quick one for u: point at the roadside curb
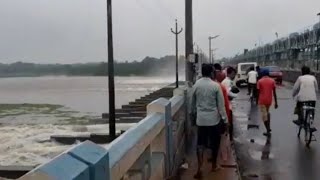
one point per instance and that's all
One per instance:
(236, 160)
(238, 112)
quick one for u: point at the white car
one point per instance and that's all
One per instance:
(242, 72)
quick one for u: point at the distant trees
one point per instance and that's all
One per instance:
(148, 66)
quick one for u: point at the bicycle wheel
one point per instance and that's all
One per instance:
(299, 132)
(308, 137)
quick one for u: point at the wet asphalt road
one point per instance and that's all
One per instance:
(283, 156)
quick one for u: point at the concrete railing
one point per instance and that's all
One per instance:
(152, 149)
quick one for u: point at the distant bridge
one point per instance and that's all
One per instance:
(289, 52)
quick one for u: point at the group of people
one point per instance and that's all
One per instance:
(212, 111)
(304, 92)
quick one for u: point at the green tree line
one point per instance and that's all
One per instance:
(148, 66)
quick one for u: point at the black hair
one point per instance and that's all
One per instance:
(251, 68)
(230, 70)
(217, 67)
(207, 70)
(305, 70)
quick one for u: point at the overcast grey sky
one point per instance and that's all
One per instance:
(68, 31)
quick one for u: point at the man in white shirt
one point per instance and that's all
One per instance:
(305, 91)
(252, 81)
(229, 83)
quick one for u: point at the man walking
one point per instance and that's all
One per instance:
(208, 104)
(266, 87)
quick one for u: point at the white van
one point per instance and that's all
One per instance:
(242, 73)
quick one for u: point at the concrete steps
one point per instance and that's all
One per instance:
(14, 172)
(101, 138)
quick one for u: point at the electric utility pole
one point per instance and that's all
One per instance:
(177, 49)
(189, 39)
(112, 118)
(318, 46)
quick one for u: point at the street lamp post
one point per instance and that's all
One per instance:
(212, 53)
(210, 38)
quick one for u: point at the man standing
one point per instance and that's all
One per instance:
(208, 103)
(229, 85)
(266, 87)
(219, 75)
(228, 82)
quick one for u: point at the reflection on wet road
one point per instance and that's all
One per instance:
(283, 156)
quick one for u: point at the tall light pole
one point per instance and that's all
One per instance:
(112, 117)
(210, 38)
(212, 53)
(176, 33)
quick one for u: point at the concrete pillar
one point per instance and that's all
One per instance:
(163, 105)
(141, 170)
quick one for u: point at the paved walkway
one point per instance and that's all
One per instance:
(229, 171)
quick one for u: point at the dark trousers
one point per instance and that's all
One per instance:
(211, 135)
(252, 87)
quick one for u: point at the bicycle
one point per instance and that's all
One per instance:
(308, 112)
(253, 95)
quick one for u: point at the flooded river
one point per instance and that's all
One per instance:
(32, 109)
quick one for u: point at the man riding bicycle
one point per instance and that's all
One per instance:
(252, 82)
(305, 91)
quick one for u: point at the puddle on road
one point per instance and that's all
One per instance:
(243, 127)
(265, 154)
(253, 126)
(242, 119)
(240, 115)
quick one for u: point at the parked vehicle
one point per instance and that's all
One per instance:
(275, 73)
(242, 73)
